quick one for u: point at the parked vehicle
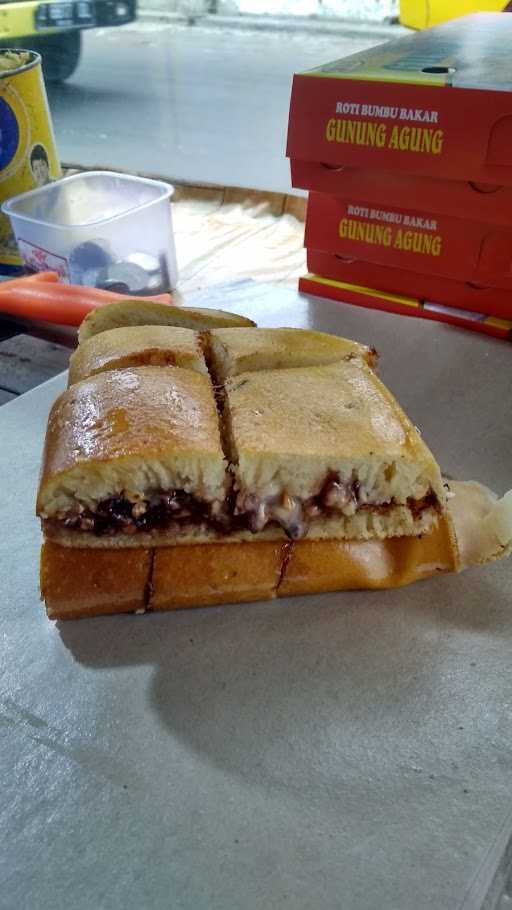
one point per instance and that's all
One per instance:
(54, 28)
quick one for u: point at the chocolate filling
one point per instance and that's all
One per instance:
(176, 509)
(158, 513)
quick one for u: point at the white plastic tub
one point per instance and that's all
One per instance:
(96, 227)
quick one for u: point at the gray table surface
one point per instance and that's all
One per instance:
(348, 750)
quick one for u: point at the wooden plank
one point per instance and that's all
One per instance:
(6, 396)
(26, 362)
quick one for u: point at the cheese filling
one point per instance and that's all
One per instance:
(335, 499)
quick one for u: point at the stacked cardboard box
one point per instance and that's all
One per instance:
(406, 150)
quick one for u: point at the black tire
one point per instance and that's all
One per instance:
(60, 53)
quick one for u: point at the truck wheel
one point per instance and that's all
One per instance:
(60, 53)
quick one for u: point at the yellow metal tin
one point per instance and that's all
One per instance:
(28, 155)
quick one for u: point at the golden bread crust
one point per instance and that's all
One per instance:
(76, 583)
(129, 419)
(291, 427)
(135, 346)
(318, 566)
(327, 411)
(224, 573)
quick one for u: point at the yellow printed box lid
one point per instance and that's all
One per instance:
(471, 52)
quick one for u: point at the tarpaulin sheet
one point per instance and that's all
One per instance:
(226, 234)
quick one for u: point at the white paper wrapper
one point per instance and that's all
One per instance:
(482, 523)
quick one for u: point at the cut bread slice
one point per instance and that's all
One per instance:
(328, 451)
(135, 346)
(234, 351)
(131, 451)
(147, 312)
(78, 583)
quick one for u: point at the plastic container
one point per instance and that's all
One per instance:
(100, 229)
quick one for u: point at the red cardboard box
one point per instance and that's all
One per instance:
(437, 104)
(406, 306)
(430, 288)
(410, 239)
(459, 198)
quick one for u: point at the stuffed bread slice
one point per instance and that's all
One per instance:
(134, 458)
(133, 455)
(328, 452)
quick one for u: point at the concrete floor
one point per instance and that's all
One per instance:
(188, 103)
